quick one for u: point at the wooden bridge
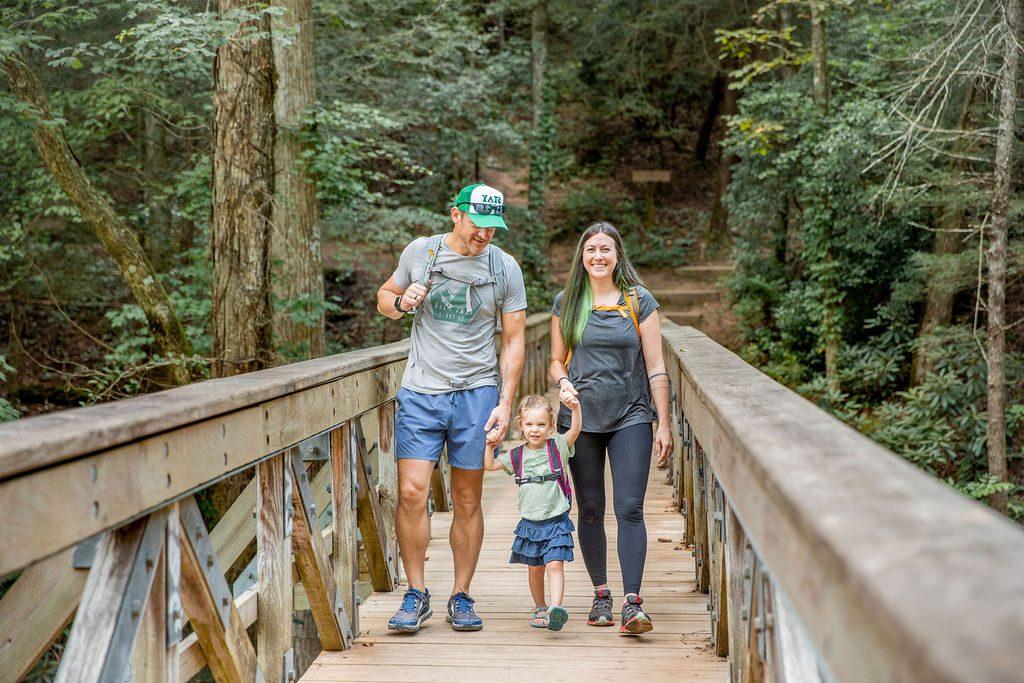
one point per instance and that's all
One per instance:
(817, 554)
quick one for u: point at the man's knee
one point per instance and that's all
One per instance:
(466, 501)
(467, 487)
(412, 494)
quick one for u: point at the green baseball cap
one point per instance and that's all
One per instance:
(484, 205)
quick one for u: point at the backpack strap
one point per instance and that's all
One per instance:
(496, 264)
(633, 304)
(516, 456)
(433, 247)
(555, 463)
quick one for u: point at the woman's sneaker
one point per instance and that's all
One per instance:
(634, 620)
(461, 614)
(414, 611)
(601, 612)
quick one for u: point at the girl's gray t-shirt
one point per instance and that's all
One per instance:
(608, 369)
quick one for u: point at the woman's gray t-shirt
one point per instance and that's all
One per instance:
(608, 369)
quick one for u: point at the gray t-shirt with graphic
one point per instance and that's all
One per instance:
(608, 369)
(453, 336)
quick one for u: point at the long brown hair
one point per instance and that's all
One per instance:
(577, 299)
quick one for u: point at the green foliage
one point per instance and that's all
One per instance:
(7, 411)
(830, 247)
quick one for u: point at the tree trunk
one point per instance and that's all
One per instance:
(718, 226)
(939, 296)
(996, 432)
(535, 252)
(295, 256)
(819, 55)
(830, 316)
(243, 177)
(718, 93)
(117, 238)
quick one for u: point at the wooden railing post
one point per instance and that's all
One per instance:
(346, 559)
(273, 561)
(700, 518)
(686, 476)
(387, 479)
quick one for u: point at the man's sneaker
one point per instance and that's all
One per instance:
(601, 612)
(414, 611)
(634, 620)
(461, 614)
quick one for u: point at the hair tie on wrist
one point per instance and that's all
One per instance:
(558, 382)
(657, 374)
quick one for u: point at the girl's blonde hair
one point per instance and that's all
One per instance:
(532, 402)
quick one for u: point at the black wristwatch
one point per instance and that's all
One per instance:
(398, 304)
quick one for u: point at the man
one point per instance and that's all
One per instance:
(462, 290)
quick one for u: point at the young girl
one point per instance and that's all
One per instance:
(543, 539)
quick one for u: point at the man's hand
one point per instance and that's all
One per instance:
(414, 296)
(493, 437)
(498, 421)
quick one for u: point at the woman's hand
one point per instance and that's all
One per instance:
(567, 393)
(663, 442)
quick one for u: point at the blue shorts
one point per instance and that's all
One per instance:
(424, 423)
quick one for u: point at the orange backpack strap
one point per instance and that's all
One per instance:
(633, 304)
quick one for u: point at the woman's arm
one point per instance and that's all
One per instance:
(650, 339)
(558, 372)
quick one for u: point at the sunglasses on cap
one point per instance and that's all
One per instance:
(496, 209)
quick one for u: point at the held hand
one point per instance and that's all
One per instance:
(414, 296)
(663, 443)
(498, 421)
(493, 437)
(567, 394)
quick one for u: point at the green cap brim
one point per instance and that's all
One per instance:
(487, 220)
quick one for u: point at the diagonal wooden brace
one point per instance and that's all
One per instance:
(115, 595)
(311, 561)
(383, 571)
(207, 599)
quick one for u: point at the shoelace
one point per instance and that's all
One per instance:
(463, 603)
(603, 602)
(410, 602)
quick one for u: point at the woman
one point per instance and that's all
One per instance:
(609, 323)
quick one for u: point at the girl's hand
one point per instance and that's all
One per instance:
(663, 442)
(567, 393)
(494, 437)
(571, 402)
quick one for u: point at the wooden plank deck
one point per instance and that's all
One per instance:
(508, 649)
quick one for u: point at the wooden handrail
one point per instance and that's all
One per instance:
(818, 535)
(124, 474)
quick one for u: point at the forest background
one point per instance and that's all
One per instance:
(196, 189)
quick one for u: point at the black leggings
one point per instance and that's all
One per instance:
(630, 452)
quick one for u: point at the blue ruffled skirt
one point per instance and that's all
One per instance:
(538, 543)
